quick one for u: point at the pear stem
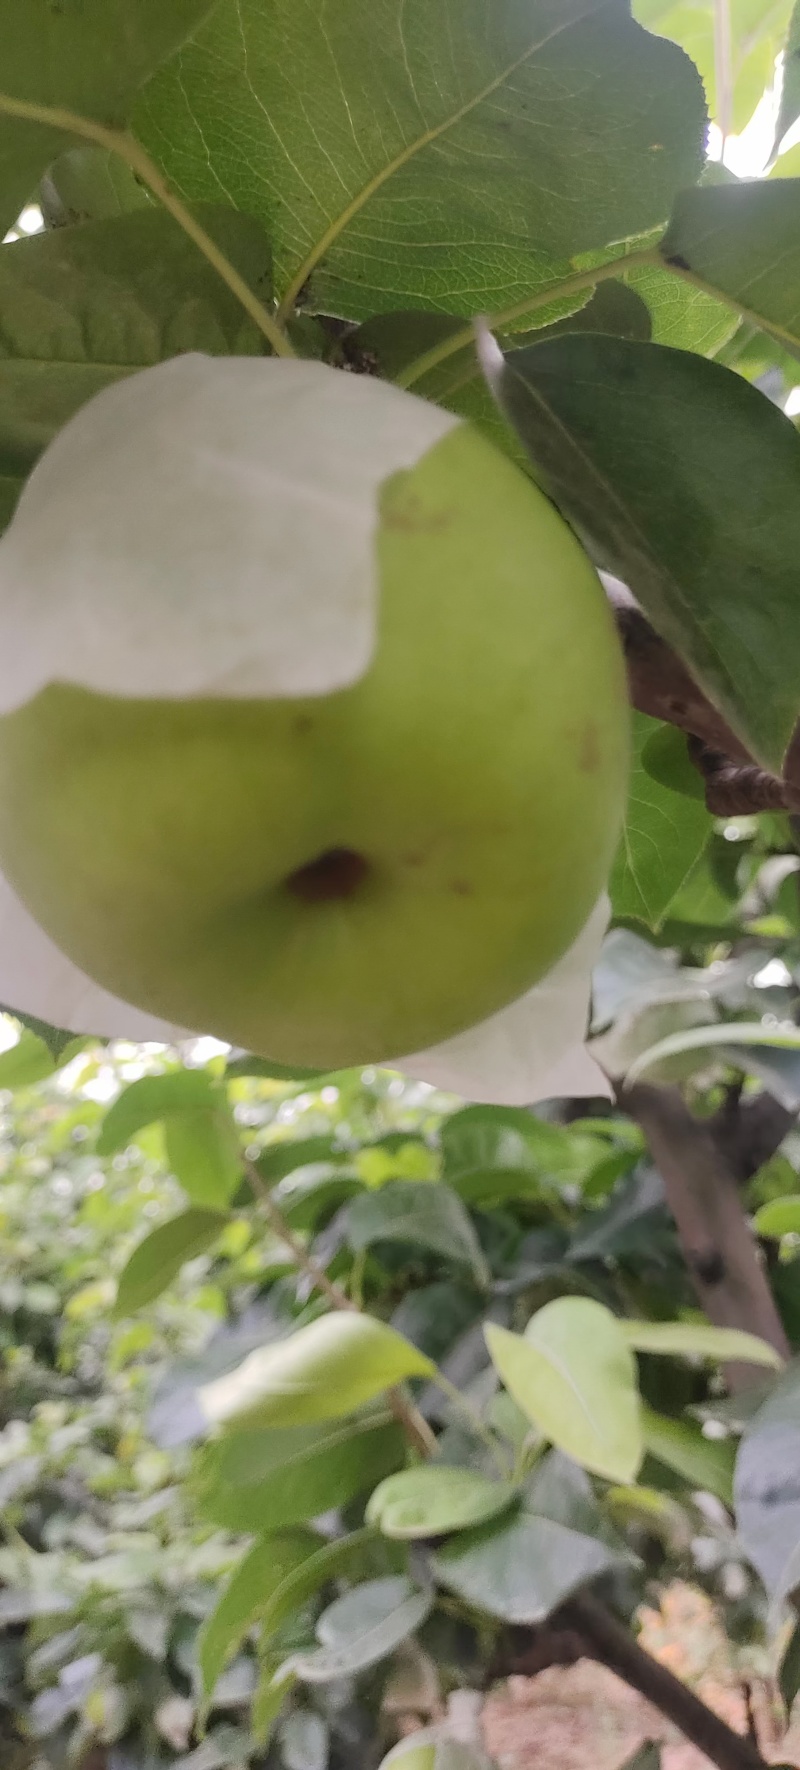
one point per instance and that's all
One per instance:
(416, 1429)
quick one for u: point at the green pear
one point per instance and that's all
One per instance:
(345, 877)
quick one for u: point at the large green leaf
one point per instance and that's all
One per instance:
(743, 240)
(363, 1627)
(82, 306)
(663, 834)
(574, 1376)
(26, 1063)
(156, 1261)
(421, 1213)
(246, 1596)
(267, 1479)
(685, 481)
(90, 58)
(521, 1567)
(321, 1372)
(413, 154)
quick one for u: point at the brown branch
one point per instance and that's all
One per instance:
(660, 684)
(611, 1644)
(416, 1429)
(717, 1242)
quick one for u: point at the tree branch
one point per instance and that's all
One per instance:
(716, 1239)
(660, 684)
(611, 1644)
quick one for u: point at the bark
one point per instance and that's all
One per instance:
(703, 1195)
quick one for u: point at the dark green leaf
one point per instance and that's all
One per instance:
(422, 1213)
(685, 482)
(254, 1481)
(246, 1596)
(663, 835)
(91, 59)
(155, 1262)
(362, 1628)
(521, 1567)
(394, 159)
(83, 306)
(648, 1757)
(744, 241)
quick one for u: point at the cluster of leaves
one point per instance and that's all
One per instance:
(182, 1405)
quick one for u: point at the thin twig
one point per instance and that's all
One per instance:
(417, 1430)
(127, 148)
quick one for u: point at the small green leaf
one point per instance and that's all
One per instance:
(362, 1628)
(155, 1262)
(343, 1555)
(202, 1149)
(663, 834)
(323, 1371)
(698, 1339)
(255, 1481)
(89, 184)
(573, 1375)
(434, 1500)
(25, 1063)
(781, 1216)
(665, 757)
(421, 1213)
(150, 1100)
(274, 1686)
(706, 1463)
(246, 1596)
(91, 59)
(684, 481)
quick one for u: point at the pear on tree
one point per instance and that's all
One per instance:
(313, 733)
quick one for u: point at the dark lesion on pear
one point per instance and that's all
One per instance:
(331, 877)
